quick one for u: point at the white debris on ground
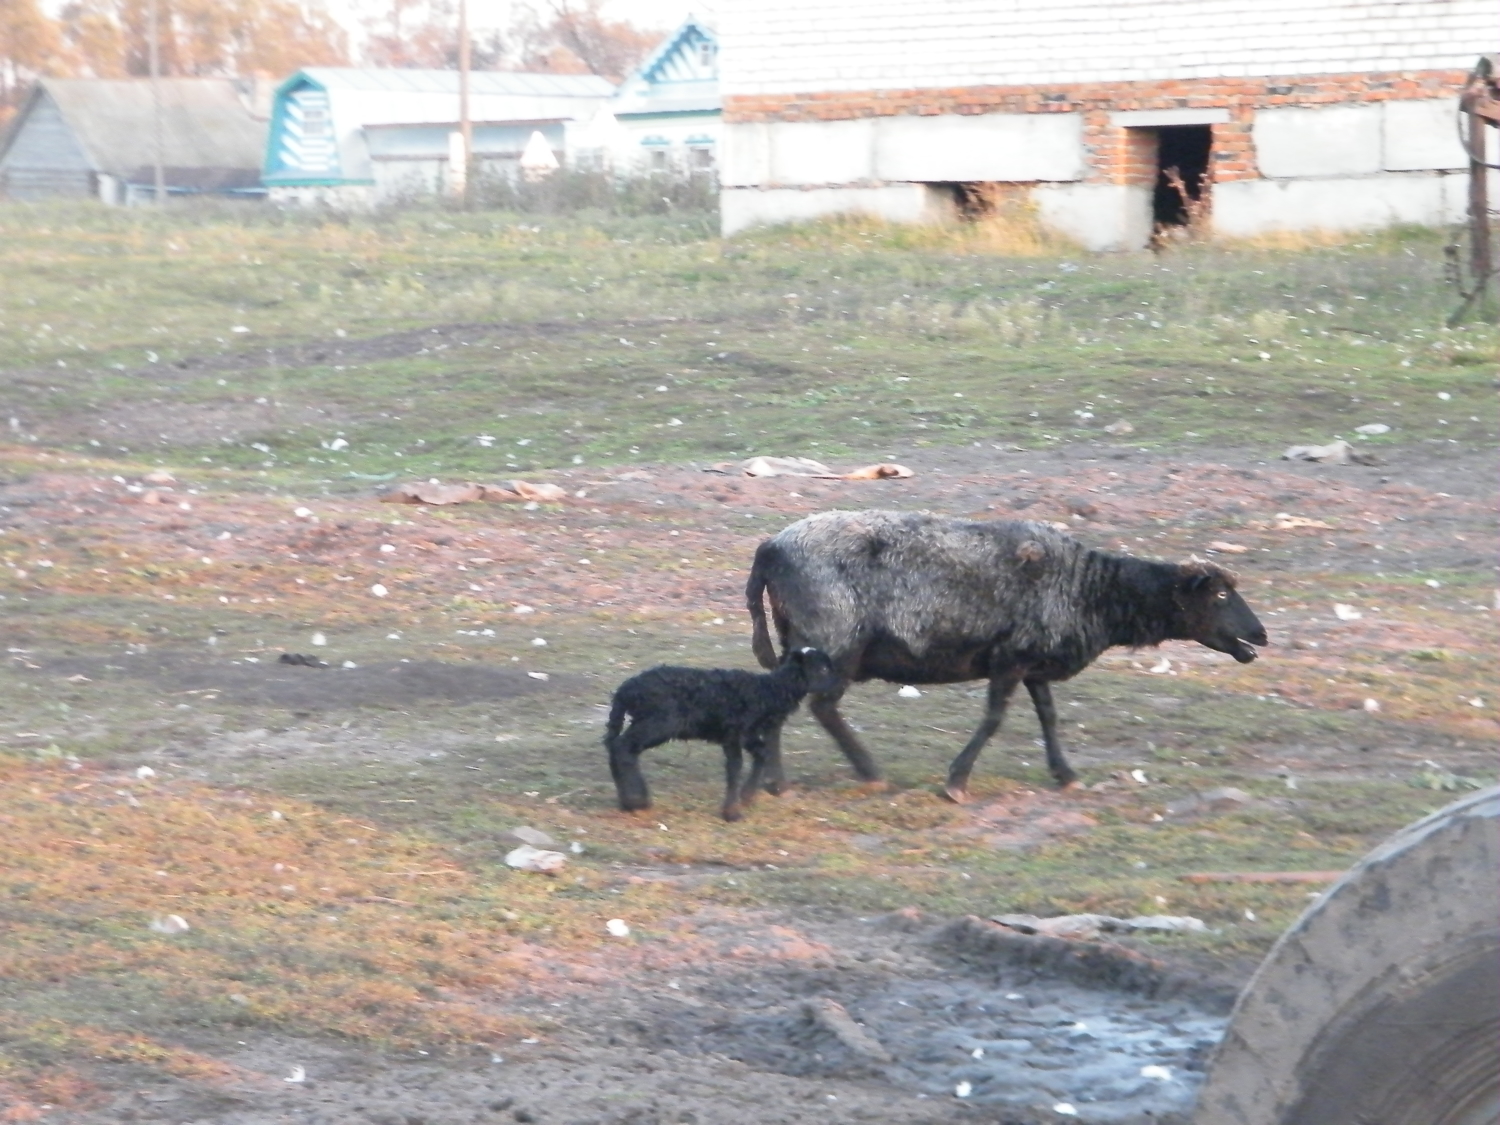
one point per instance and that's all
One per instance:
(1338, 452)
(527, 858)
(1086, 926)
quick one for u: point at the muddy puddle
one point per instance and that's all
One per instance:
(897, 1018)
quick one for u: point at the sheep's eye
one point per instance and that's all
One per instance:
(1223, 594)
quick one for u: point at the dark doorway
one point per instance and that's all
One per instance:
(1183, 153)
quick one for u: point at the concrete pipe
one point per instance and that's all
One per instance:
(1381, 1004)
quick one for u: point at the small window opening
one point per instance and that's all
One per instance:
(1181, 194)
(973, 201)
(659, 160)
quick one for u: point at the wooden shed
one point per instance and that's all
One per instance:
(88, 137)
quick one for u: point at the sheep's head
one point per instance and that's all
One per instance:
(1213, 612)
(818, 669)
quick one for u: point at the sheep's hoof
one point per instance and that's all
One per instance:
(1071, 784)
(775, 788)
(634, 806)
(958, 794)
(732, 812)
(875, 785)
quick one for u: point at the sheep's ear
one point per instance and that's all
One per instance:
(1198, 575)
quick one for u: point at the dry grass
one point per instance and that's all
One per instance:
(300, 920)
(1009, 228)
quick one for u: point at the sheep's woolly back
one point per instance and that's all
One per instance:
(931, 581)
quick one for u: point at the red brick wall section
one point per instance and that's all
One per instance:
(1117, 155)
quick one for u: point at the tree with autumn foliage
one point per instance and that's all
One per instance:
(566, 37)
(199, 38)
(31, 43)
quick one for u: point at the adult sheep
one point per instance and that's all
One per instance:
(915, 598)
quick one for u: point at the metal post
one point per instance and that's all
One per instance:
(1480, 257)
(465, 124)
(154, 51)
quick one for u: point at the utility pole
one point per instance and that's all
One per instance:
(154, 51)
(465, 122)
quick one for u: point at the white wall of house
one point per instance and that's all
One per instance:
(809, 94)
(642, 144)
(992, 146)
(788, 46)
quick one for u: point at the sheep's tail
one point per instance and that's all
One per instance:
(755, 588)
(615, 723)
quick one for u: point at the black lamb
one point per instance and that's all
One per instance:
(741, 711)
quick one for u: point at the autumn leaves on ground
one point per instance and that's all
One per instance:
(202, 843)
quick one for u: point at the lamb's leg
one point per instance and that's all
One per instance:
(1046, 713)
(825, 709)
(775, 777)
(625, 762)
(733, 761)
(1001, 688)
(756, 746)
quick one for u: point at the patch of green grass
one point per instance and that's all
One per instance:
(470, 345)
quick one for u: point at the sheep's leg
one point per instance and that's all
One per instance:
(1046, 713)
(825, 709)
(734, 759)
(625, 762)
(1001, 688)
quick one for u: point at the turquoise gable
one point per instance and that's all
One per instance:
(680, 76)
(302, 147)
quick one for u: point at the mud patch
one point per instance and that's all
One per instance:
(270, 684)
(897, 1018)
(1026, 819)
(953, 1015)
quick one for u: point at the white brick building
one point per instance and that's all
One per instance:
(1291, 114)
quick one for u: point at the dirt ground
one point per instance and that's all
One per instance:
(797, 1011)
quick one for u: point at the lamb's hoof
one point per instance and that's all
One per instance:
(1071, 785)
(634, 806)
(956, 793)
(875, 785)
(776, 788)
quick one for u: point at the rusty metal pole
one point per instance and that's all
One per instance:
(1481, 258)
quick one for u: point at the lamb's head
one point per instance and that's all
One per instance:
(817, 670)
(1214, 614)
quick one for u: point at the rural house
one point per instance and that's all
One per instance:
(93, 137)
(665, 116)
(1277, 115)
(350, 137)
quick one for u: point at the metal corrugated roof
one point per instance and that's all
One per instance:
(481, 82)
